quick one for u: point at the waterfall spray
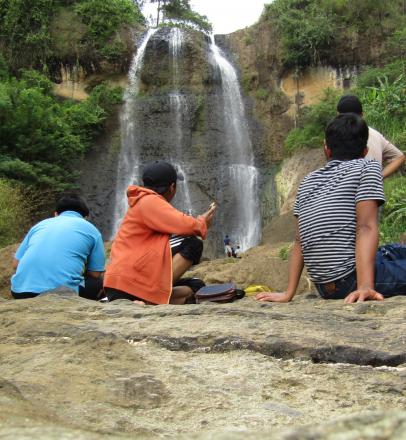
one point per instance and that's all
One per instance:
(178, 106)
(128, 163)
(240, 170)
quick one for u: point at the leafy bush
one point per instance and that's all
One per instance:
(312, 123)
(371, 75)
(384, 107)
(393, 221)
(13, 213)
(42, 138)
(312, 30)
(180, 10)
(25, 29)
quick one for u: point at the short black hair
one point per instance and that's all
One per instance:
(72, 202)
(347, 136)
(349, 104)
(159, 176)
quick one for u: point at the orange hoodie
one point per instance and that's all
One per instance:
(141, 259)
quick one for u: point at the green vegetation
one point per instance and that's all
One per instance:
(393, 222)
(41, 139)
(261, 94)
(14, 213)
(104, 19)
(284, 252)
(312, 122)
(383, 95)
(180, 12)
(384, 107)
(313, 30)
(28, 37)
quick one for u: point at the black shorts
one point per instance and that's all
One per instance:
(114, 294)
(190, 248)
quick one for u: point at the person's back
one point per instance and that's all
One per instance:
(326, 210)
(143, 266)
(55, 253)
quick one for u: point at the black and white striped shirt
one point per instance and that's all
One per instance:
(326, 208)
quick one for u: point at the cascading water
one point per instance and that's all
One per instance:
(178, 107)
(128, 165)
(240, 169)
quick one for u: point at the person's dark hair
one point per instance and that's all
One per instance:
(72, 202)
(347, 136)
(349, 104)
(159, 176)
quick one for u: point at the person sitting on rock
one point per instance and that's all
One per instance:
(336, 213)
(63, 251)
(143, 267)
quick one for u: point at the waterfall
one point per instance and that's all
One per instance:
(240, 170)
(128, 163)
(178, 107)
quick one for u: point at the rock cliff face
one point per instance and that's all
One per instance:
(72, 368)
(180, 115)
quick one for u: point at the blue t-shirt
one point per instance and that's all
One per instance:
(54, 253)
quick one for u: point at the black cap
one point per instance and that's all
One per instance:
(349, 104)
(158, 175)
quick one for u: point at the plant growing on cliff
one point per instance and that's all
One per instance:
(307, 31)
(312, 123)
(104, 21)
(41, 139)
(26, 29)
(181, 12)
(314, 31)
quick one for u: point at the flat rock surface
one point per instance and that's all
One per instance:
(71, 368)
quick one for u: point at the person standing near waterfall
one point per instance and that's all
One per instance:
(143, 265)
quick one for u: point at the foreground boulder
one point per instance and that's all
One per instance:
(72, 368)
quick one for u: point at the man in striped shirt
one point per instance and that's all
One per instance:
(337, 229)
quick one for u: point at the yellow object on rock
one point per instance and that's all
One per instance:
(253, 290)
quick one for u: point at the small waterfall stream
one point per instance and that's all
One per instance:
(128, 164)
(178, 107)
(214, 162)
(240, 168)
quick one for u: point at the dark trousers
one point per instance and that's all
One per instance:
(91, 290)
(190, 248)
(390, 275)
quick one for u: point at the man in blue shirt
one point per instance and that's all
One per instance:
(65, 250)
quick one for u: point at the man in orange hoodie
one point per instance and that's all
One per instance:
(142, 266)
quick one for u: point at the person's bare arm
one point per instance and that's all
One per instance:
(366, 245)
(393, 166)
(15, 263)
(296, 264)
(94, 274)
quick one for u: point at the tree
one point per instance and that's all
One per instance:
(181, 11)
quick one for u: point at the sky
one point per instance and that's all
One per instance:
(227, 16)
